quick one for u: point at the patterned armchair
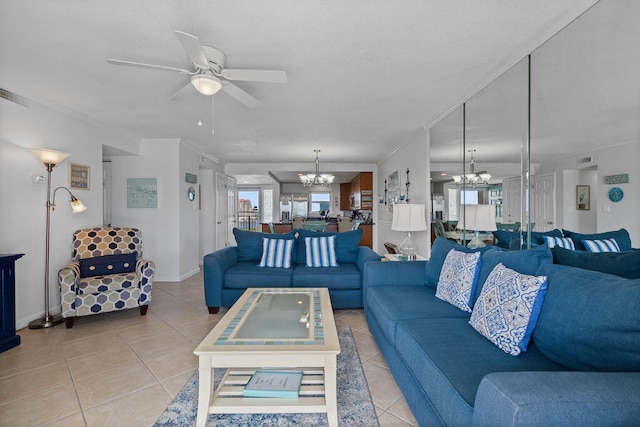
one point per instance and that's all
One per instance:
(107, 273)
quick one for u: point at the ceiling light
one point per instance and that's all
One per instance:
(472, 178)
(206, 84)
(316, 179)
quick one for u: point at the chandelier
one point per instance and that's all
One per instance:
(472, 178)
(316, 179)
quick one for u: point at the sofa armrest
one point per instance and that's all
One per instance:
(145, 269)
(215, 264)
(365, 254)
(68, 277)
(558, 398)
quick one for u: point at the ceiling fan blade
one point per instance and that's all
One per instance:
(269, 76)
(194, 49)
(240, 95)
(151, 66)
(185, 91)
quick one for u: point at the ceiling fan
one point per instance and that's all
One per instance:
(209, 75)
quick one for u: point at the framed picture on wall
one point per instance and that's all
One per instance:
(142, 192)
(393, 189)
(583, 197)
(78, 177)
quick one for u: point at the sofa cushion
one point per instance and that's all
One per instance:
(523, 261)
(449, 359)
(392, 303)
(458, 279)
(344, 276)
(605, 245)
(346, 245)
(623, 264)
(247, 274)
(250, 243)
(537, 239)
(563, 242)
(439, 251)
(590, 320)
(508, 307)
(108, 264)
(276, 252)
(320, 251)
(622, 238)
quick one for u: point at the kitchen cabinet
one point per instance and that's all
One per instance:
(345, 196)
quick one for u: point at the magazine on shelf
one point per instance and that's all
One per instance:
(273, 383)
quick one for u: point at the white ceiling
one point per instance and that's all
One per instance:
(363, 75)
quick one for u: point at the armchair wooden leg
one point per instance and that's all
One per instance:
(213, 310)
(68, 322)
(143, 310)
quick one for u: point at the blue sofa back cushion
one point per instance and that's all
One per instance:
(250, 244)
(505, 239)
(590, 321)
(622, 238)
(346, 245)
(439, 251)
(623, 264)
(524, 261)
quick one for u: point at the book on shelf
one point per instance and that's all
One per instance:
(273, 383)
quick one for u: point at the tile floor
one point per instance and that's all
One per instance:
(123, 369)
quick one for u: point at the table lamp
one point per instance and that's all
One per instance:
(478, 218)
(408, 217)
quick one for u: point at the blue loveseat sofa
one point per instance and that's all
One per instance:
(581, 367)
(230, 271)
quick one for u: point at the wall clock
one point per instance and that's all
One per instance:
(616, 194)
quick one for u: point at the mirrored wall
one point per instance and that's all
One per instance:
(525, 143)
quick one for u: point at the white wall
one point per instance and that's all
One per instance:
(207, 195)
(23, 212)
(413, 154)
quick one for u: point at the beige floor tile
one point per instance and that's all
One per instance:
(365, 344)
(353, 318)
(390, 420)
(152, 328)
(30, 356)
(185, 316)
(75, 420)
(130, 410)
(110, 384)
(173, 363)
(382, 386)
(379, 360)
(32, 382)
(400, 409)
(95, 363)
(175, 384)
(93, 344)
(82, 330)
(157, 345)
(196, 332)
(48, 405)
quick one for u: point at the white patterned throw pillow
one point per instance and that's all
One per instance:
(606, 245)
(458, 279)
(562, 242)
(276, 252)
(321, 251)
(508, 308)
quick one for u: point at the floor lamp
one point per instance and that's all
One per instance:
(50, 158)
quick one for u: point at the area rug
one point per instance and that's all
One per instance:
(355, 407)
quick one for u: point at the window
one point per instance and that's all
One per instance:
(248, 209)
(320, 202)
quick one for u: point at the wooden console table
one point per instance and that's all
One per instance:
(8, 336)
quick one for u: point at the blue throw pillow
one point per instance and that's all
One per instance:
(250, 243)
(623, 264)
(458, 279)
(525, 262)
(508, 308)
(276, 252)
(606, 245)
(108, 264)
(503, 238)
(439, 251)
(590, 321)
(321, 251)
(346, 244)
(622, 238)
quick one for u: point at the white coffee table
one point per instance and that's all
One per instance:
(266, 328)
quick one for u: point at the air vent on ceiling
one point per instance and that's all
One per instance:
(14, 97)
(585, 160)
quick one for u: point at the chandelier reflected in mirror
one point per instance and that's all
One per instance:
(316, 179)
(472, 178)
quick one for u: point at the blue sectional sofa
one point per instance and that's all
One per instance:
(230, 271)
(581, 366)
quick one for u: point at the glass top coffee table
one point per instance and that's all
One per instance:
(273, 328)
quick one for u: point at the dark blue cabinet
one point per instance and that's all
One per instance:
(8, 337)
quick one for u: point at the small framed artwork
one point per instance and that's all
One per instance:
(583, 197)
(142, 192)
(78, 177)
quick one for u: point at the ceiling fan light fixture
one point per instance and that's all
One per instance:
(206, 84)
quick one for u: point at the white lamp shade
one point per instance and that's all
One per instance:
(49, 157)
(408, 217)
(478, 218)
(206, 84)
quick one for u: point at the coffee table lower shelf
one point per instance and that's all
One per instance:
(228, 397)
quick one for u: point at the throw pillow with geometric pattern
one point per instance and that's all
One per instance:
(508, 308)
(459, 278)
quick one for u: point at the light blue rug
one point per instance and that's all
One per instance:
(355, 407)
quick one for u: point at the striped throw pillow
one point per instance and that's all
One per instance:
(562, 242)
(276, 253)
(607, 245)
(321, 251)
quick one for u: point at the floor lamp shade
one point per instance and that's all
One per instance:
(408, 217)
(478, 218)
